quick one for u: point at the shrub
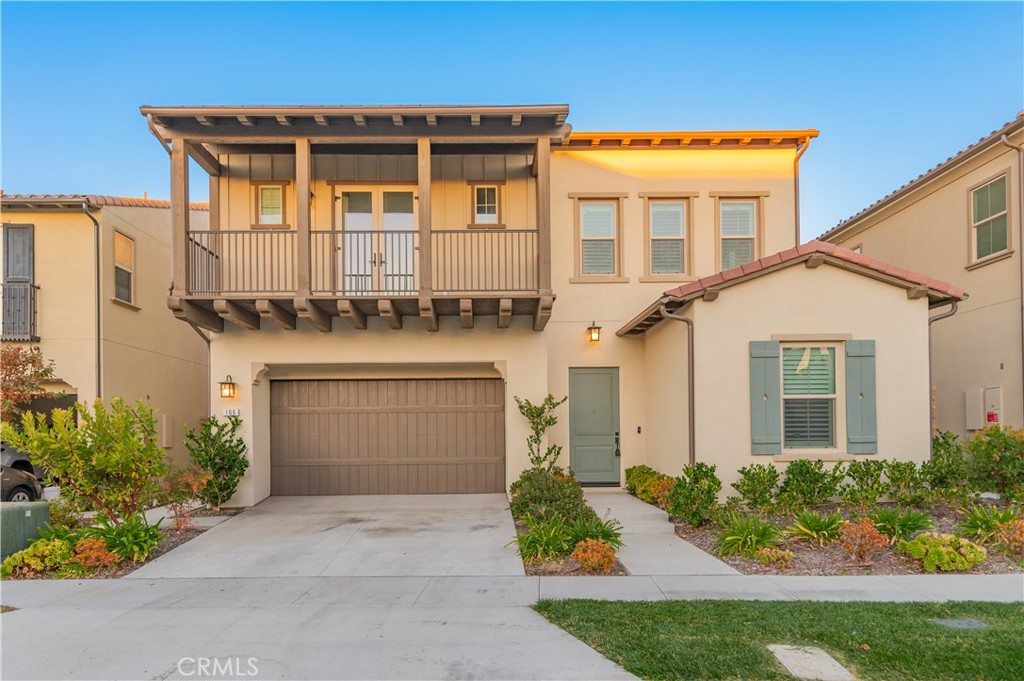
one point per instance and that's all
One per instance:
(608, 531)
(23, 375)
(217, 448)
(636, 476)
(657, 490)
(946, 473)
(865, 485)
(694, 497)
(134, 539)
(544, 539)
(996, 462)
(862, 540)
(594, 556)
(179, 488)
(110, 460)
(816, 527)
(780, 558)
(541, 418)
(92, 554)
(1010, 538)
(62, 532)
(539, 494)
(44, 555)
(745, 535)
(905, 485)
(807, 484)
(943, 552)
(65, 511)
(898, 525)
(757, 485)
(982, 522)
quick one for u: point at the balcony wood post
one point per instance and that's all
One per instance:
(179, 216)
(214, 203)
(303, 177)
(543, 162)
(423, 179)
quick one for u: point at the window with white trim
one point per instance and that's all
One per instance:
(989, 230)
(270, 204)
(809, 396)
(667, 222)
(598, 236)
(124, 268)
(485, 204)
(737, 221)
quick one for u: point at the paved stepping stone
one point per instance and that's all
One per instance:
(969, 623)
(806, 662)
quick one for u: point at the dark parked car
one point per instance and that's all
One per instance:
(16, 485)
(19, 460)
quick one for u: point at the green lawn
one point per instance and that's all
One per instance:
(727, 639)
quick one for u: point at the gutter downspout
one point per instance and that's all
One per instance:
(96, 284)
(1020, 236)
(691, 383)
(953, 304)
(796, 188)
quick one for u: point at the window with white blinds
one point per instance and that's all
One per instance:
(988, 211)
(809, 396)
(124, 267)
(667, 220)
(598, 234)
(270, 200)
(738, 227)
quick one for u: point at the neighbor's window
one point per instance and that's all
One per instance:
(668, 236)
(989, 218)
(124, 267)
(738, 227)
(598, 231)
(270, 204)
(485, 204)
(809, 396)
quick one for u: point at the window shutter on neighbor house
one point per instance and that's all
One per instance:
(861, 417)
(765, 398)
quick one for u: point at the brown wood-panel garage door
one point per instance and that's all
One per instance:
(415, 436)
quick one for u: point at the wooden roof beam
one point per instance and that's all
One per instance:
(235, 313)
(359, 120)
(560, 119)
(398, 120)
(321, 120)
(284, 120)
(517, 120)
(206, 120)
(247, 121)
(504, 313)
(474, 120)
(204, 158)
(466, 312)
(432, 120)
(268, 309)
(356, 317)
(307, 309)
(389, 311)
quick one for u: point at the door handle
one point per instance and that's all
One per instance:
(618, 452)
(373, 260)
(382, 260)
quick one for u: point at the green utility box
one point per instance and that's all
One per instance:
(20, 523)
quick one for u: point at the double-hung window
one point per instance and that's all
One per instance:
(124, 268)
(598, 237)
(738, 229)
(485, 204)
(270, 205)
(809, 396)
(667, 224)
(989, 231)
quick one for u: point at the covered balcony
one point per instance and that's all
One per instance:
(360, 248)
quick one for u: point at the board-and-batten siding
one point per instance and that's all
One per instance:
(429, 436)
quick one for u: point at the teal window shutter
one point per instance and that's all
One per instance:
(861, 417)
(765, 398)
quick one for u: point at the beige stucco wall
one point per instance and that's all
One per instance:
(929, 231)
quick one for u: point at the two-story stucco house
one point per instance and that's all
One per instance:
(382, 281)
(961, 221)
(85, 281)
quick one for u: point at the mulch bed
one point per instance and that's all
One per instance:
(212, 512)
(567, 567)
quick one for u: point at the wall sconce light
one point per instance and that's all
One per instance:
(594, 333)
(227, 387)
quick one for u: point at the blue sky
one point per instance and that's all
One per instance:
(894, 88)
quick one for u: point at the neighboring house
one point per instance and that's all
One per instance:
(961, 221)
(85, 281)
(382, 281)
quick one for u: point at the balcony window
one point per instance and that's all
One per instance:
(124, 268)
(270, 205)
(485, 205)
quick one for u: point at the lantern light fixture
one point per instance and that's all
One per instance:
(594, 332)
(227, 388)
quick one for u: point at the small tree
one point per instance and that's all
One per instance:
(180, 488)
(541, 417)
(22, 375)
(107, 457)
(216, 447)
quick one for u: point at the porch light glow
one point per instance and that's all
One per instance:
(227, 387)
(594, 332)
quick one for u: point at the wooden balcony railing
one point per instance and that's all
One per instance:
(347, 264)
(19, 310)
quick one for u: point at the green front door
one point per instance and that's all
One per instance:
(594, 425)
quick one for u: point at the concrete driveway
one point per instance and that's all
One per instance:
(353, 536)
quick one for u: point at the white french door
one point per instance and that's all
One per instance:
(377, 248)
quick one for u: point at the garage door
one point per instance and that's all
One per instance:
(423, 436)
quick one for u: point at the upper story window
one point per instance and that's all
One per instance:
(737, 219)
(485, 204)
(989, 230)
(270, 205)
(809, 396)
(598, 231)
(667, 224)
(124, 268)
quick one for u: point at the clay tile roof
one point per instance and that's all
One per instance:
(95, 200)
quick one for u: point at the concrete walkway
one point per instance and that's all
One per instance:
(651, 545)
